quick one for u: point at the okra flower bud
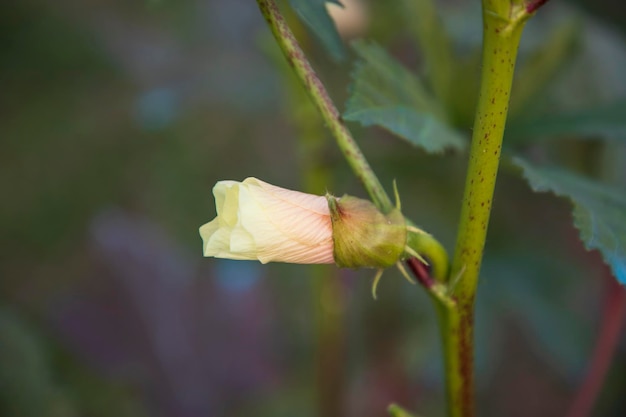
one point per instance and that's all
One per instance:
(259, 221)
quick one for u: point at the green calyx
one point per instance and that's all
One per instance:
(363, 236)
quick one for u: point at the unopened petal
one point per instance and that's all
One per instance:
(256, 220)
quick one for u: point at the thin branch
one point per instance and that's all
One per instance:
(318, 94)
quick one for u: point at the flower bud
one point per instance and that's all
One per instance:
(259, 221)
(363, 236)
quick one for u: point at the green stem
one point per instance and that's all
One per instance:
(503, 21)
(314, 87)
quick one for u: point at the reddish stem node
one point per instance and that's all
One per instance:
(532, 6)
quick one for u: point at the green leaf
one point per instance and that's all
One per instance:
(386, 94)
(534, 292)
(608, 121)
(314, 14)
(599, 211)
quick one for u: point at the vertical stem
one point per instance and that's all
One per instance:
(458, 363)
(500, 43)
(503, 21)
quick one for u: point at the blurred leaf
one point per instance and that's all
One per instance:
(27, 388)
(44, 46)
(599, 211)
(535, 288)
(544, 63)
(596, 74)
(386, 94)
(315, 15)
(396, 411)
(536, 293)
(434, 44)
(562, 340)
(608, 121)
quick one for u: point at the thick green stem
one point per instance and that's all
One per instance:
(503, 21)
(500, 42)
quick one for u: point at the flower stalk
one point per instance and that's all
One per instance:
(318, 94)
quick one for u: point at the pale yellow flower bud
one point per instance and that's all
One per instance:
(259, 221)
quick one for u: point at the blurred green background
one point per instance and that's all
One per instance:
(117, 118)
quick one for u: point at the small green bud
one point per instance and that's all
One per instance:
(363, 236)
